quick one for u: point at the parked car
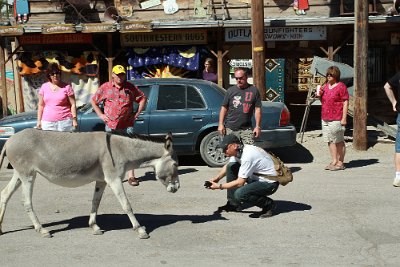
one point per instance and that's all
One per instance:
(189, 108)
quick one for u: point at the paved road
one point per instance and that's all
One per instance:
(324, 218)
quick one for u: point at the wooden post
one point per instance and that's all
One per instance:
(109, 58)
(360, 141)
(3, 86)
(17, 80)
(258, 45)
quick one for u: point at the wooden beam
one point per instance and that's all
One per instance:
(258, 45)
(220, 65)
(360, 140)
(3, 86)
(17, 80)
(110, 58)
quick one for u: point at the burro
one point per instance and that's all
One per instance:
(76, 159)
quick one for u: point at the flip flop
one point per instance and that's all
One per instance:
(329, 166)
(337, 168)
(133, 181)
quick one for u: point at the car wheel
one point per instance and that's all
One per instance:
(212, 156)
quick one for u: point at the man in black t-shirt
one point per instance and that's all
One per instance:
(240, 103)
(392, 88)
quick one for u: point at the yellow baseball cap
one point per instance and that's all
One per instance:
(118, 69)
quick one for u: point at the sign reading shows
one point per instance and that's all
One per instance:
(11, 30)
(187, 37)
(70, 38)
(58, 28)
(278, 34)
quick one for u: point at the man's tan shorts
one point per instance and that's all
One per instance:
(332, 131)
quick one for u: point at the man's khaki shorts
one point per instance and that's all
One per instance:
(332, 131)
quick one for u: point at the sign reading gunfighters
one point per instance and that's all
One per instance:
(302, 33)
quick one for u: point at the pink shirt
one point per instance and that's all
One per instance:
(56, 104)
(332, 102)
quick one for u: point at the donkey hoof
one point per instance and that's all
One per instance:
(98, 232)
(47, 235)
(142, 233)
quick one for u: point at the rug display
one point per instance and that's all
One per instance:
(275, 79)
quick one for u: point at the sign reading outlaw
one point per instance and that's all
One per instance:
(301, 33)
(98, 27)
(58, 28)
(68, 38)
(187, 37)
(11, 30)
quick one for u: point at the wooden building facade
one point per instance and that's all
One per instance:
(88, 37)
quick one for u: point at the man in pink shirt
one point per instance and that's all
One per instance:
(117, 97)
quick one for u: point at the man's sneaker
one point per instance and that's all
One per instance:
(268, 212)
(228, 207)
(396, 182)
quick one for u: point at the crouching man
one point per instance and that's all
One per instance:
(246, 177)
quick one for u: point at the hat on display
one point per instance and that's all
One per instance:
(118, 69)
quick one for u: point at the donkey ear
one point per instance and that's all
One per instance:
(168, 141)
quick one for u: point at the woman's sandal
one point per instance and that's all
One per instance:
(338, 168)
(329, 166)
(133, 181)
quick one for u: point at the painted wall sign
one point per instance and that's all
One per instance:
(11, 30)
(186, 37)
(136, 26)
(98, 27)
(69, 38)
(278, 34)
(144, 4)
(58, 28)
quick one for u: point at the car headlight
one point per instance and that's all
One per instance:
(6, 131)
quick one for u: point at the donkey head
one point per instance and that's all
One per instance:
(166, 167)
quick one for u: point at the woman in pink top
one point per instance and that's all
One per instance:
(335, 103)
(57, 106)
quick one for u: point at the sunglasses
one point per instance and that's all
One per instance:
(239, 78)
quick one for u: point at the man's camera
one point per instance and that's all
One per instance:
(207, 184)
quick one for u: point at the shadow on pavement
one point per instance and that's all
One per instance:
(361, 163)
(293, 154)
(110, 222)
(285, 206)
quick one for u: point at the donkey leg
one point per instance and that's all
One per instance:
(118, 189)
(6, 194)
(98, 193)
(27, 189)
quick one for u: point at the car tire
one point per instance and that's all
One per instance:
(212, 156)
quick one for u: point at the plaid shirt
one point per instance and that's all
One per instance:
(118, 103)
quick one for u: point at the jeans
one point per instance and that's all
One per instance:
(245, 135)
(255, 193)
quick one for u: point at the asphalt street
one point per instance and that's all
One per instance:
(323, 218)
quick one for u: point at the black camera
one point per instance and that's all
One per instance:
(207, 184)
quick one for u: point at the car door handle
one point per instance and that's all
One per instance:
(197, 118)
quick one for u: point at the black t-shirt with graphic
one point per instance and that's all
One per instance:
(240, 104)
(394, 82)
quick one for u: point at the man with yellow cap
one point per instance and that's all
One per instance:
(117, 97)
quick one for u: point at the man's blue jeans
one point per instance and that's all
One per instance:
(255, 193)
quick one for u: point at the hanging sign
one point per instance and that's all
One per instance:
(69, 38)
(136, 26)
(183, 37)
(144, 4)
(301, 33)
(98, 27)
(11, 30)
(58, 28)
